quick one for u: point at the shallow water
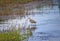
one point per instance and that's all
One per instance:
(48, 24)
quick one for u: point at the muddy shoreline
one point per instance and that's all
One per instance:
(18, 10)
(15, 10)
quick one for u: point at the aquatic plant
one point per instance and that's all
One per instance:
(14, 35)
(10, 36)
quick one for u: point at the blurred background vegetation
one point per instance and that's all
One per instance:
(14, 1)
